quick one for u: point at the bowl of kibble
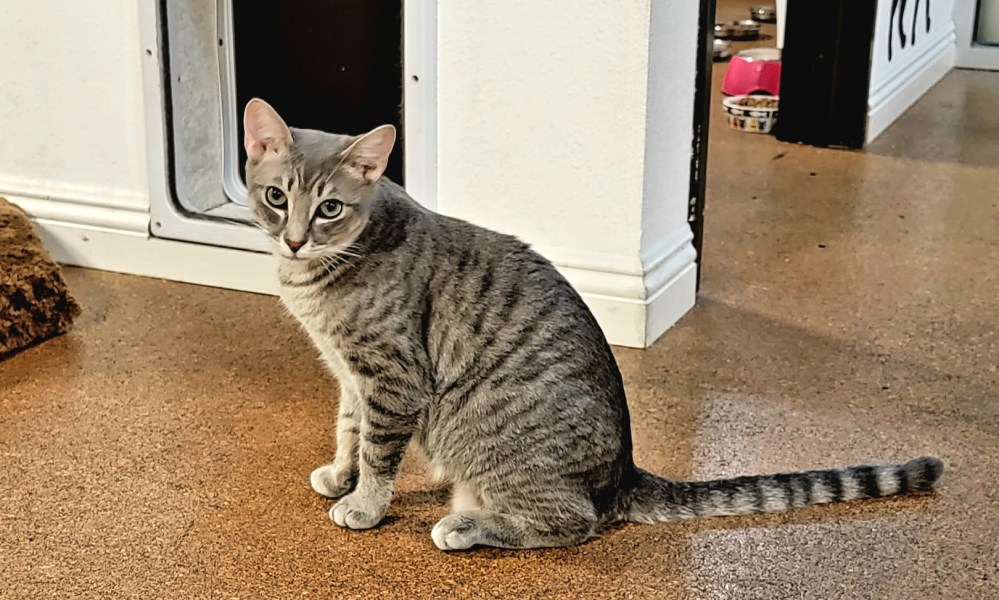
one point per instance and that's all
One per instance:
(756, 114)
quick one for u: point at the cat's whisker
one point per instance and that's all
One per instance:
(330, 264)
(352, 250)
(242, 223)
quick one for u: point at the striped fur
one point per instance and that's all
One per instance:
(472, 346)
(654, 499)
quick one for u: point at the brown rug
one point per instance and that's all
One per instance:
(34, 301)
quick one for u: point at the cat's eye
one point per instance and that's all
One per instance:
(330, 209)
(275, 197)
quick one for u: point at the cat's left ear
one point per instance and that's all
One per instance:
(369, 154)
(263, 130)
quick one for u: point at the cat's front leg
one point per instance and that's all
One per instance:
(337, 479)
(387, 424)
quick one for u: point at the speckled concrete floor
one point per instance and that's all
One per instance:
(848, 313)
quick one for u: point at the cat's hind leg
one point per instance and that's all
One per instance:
(465, 529)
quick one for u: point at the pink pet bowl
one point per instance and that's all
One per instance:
(753, 71)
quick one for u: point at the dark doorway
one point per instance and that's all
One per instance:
(334, 65)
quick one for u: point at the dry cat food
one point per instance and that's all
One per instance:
(751, 113)
(759, 102)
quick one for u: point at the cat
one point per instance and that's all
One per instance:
(471, 345)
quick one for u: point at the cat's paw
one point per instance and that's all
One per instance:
(357, 512)
(455, 532)
(332, 482)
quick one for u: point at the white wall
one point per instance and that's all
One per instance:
(71, 103)
(667, 256)
(541, 109)
(897, 83)
(672, 73)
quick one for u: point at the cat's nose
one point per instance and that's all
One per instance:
(294, 245)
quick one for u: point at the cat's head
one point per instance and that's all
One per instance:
(311, 191)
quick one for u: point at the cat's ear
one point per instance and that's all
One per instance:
(263, 130)
(369, 154)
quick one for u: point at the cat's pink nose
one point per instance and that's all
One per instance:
(294, 245)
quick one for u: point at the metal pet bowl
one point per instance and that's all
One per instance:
(723, 31)
(722, 49)
(763, 14)
(737, 30)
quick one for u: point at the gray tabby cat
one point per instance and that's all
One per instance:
(471, 345)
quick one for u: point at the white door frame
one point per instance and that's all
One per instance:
(970, 55)
(419, 123)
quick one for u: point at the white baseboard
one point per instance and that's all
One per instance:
(121, 210)
(635, 299)
(139, 254)
(633, 306)
(895, 95)
(671, 302)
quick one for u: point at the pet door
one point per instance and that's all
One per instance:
(335, 65)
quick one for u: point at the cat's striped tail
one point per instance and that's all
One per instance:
(654, 499)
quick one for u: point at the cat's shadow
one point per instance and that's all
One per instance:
(436, 496)
(624, 534)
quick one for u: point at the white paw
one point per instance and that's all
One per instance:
(355, 512)
(454, 532)
(331, 481)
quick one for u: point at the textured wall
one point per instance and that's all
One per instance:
(71, 97)
(541, 109)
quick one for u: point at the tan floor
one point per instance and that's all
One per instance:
(848, 313)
